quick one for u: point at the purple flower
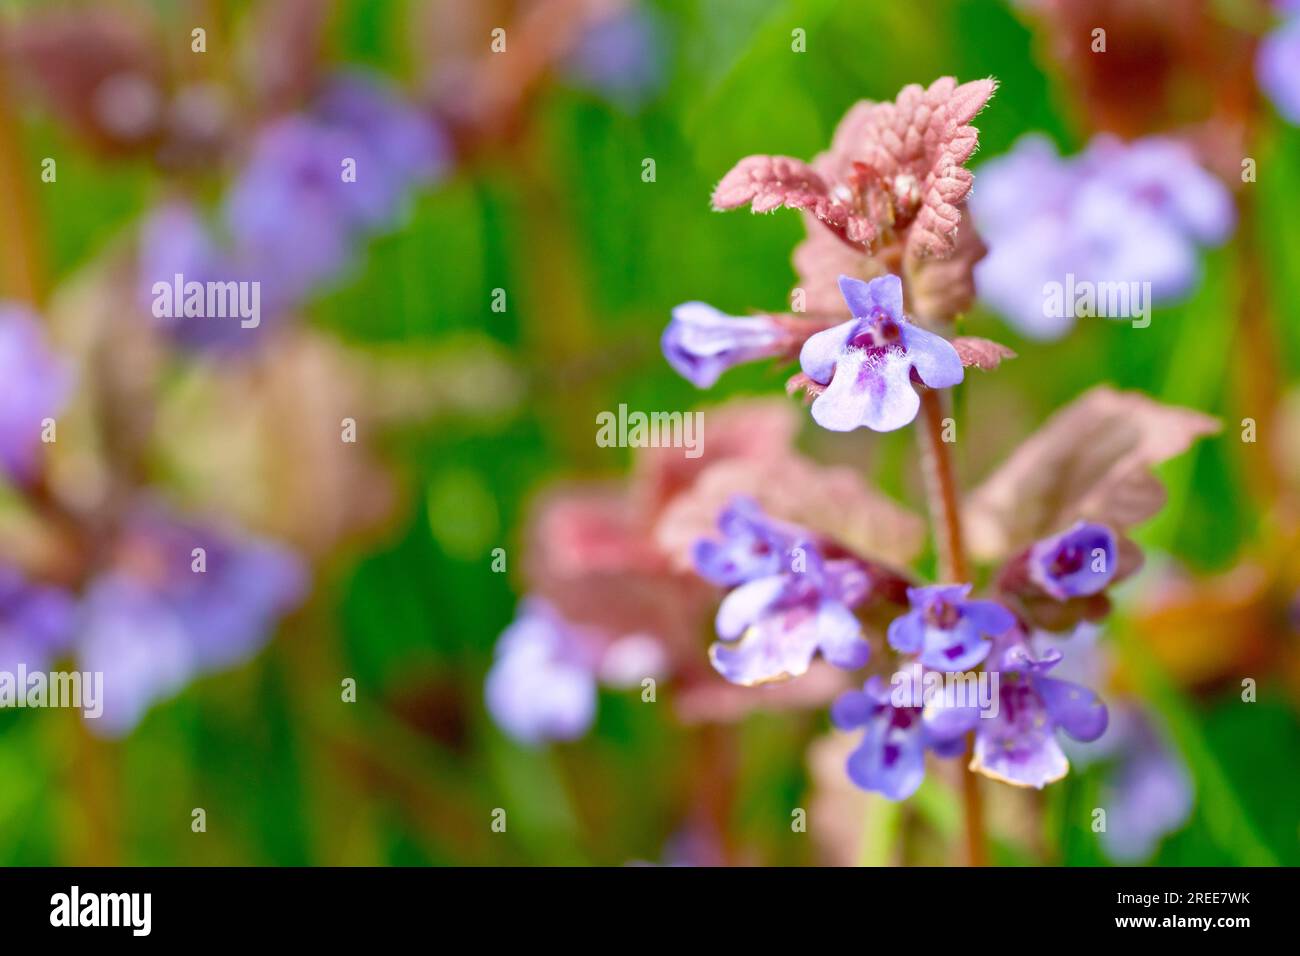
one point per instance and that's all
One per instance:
(752, 546)
(1019, 746)
(34, 385)
(1146, 787)
(165, 613)
(771, 627)
(314, 185)
(1075, 563)
(290, 211)
(407, 147)
(175, 240)
(36, 622)
(620, 57)
(867, 363)
(947, 630)
(295, 213)
(1119, 213)
(701, 343)
(139, 643)
(1147, 790)
(542, 685)
(1277, 67)
(891, 757)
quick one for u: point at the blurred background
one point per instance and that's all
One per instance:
(470, 311)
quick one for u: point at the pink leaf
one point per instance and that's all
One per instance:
(768, 182)
(924, 135)
(1092, 460)
(834, 502)
(939, 289)
(982, 353)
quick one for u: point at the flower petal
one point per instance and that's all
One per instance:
(1023, 752)
(890, 761)
(958, 649)
(936, 362)
(745, 605)
(778, 647)
(852, 709)
(701, 343)
(868, 390)
(881, 294)
(839, 636)
(943, 723)
(989, 616)
(1074, 708)
(907, 633)
(823, 351)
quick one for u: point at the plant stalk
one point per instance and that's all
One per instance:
(945, 518)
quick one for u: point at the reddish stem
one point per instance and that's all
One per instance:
(941, 492)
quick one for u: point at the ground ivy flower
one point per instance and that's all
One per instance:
(701, 343)
(948, 631)
(1147, 791)
(34, 385)
(1019, 746)
(542, 685)
(891, 757)
(752, 546)
(867, 363)
(36, 621)
(1277, 65)
(1076, 563)
(292, 219)
(1119, 213)
(772, 627)
(156, 618)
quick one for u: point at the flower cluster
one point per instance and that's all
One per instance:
(312, 185)
(788, 601)
(1118, 213)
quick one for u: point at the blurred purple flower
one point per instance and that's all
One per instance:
(752, 546)
(410, 150)
(34, 384)
(155, 621)
(1277, 65)
(174, 240)
(1019, 745)
(36, 622)
(542, 685)
(293, 217)
(1118, 213)
(771, 627)
(292, 211)
(867, 363)
(701, 343)
(946, 629)
(1146, 786)
(620, 57)
(891, 758)
(1147, 790)
(289, 210)
(1076, 563)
